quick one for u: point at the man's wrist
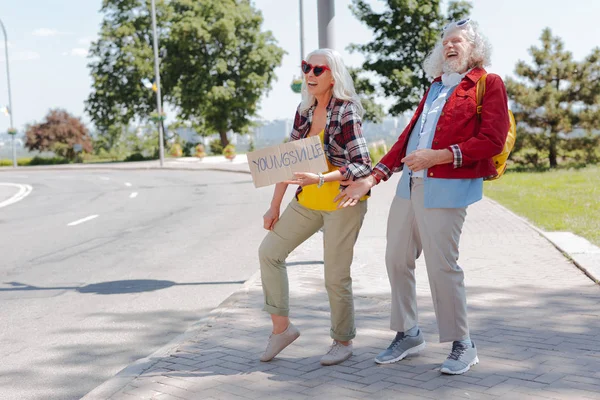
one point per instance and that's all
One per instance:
(375, 178)
(445, 156)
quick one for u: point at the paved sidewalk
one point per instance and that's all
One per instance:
(534, 316)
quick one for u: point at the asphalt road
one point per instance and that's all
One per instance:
(101, 268)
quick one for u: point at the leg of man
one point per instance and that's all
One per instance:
(440, 230)
(402, 250)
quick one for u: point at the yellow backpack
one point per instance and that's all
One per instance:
(500, 159)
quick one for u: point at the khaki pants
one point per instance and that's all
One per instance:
(412, 228)
(298, 223)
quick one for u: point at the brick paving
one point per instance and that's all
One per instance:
(534, 316)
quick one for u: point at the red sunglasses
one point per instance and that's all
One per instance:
(317, 69)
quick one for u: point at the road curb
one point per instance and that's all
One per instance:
(219, 169)
(585, 264)
(132, 371)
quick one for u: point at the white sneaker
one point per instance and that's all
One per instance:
(460, 360)
(337, 353)
(279, 342)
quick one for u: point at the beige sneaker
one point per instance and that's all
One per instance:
(337, 353)
(279, 342)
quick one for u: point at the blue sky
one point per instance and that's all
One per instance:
(48, 43)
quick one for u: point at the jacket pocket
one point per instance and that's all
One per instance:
(464, 108)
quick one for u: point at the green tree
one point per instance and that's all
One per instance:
(59, 133)
(367, 92)
(586, 88)
(120, 58)
(554, 95)
(405, 32)
(219, 64)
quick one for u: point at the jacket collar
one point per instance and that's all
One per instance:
(473, 75)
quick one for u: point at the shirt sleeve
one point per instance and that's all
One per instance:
(457, 155)
(355, 145)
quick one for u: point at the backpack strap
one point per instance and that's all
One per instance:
(480, 93)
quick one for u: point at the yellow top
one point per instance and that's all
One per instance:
(321, 198)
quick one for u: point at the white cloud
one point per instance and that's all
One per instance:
(45, 32)
(20, 56)
(76, 52)
(24, 56)
(85, 40)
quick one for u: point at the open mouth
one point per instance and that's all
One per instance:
(451, 54)
(311, 84)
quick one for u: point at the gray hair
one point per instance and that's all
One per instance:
(343, 86)
(480, 56)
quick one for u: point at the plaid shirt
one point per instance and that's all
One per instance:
(344, 144)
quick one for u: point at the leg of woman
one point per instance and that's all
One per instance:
(341, 228)
(295, 225)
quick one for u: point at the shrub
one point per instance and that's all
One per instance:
(37, 160)
(216, 147)
(176, 150)
(136, 157)
(229, 151)
(200, 153)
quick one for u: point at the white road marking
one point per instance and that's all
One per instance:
(127, 184)
(81, 221)
(133, 195)
(105, 178)
(23, 192)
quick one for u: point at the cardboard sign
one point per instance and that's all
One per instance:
(278, 163)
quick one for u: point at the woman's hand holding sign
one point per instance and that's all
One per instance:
(303, 179)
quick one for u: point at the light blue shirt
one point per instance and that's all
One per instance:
(439, 193)
(429, 121)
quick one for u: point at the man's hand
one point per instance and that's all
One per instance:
(354, 191)
(303, 179)
(270, 218)
(426, 158)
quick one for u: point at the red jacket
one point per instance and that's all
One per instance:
(458, 124)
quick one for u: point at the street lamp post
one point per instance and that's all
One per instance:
(10, 107)
(161, 151)
(301, 30)
(325, 17)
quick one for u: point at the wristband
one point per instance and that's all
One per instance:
(321, 179)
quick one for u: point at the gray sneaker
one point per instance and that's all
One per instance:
(460, 359)
(401, 346)
(279, 342)
(337, 353)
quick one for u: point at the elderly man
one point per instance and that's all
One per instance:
(445, 153)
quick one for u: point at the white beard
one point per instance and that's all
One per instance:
(458, 66)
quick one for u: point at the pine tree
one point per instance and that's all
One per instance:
(554, 95)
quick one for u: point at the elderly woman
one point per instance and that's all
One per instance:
(331, 110)
(445, 153)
